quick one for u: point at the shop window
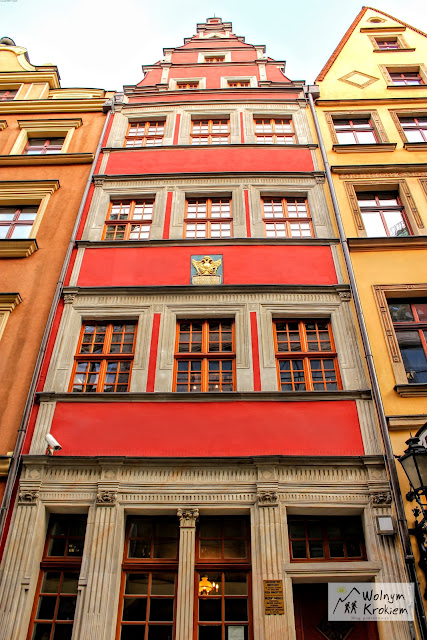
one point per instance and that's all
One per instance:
(129, 220)
(147, 133)
(8, 94)
(383, 214)
(36, 146)
(104, 357)
(216, 131)
(223, 607)
(208, 218)
(305, 355)
(326, 539)
(149, 579)
(204, 356)
(55, 602)
(16, 222)
(274, 131)
(409, 319)
(286, 218)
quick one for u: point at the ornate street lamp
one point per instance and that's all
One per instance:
(414, 463)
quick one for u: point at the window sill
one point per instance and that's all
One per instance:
(54, 158)
(418, 389)
(407, 86)
(392, 50)
(387, 244)
(379, 147)
(18, 248)
(415, 146)
(232, 396)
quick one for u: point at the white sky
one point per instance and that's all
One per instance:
(103, 43)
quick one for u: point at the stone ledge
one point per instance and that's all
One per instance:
(18, 248)
(52, 158)
(418, 389)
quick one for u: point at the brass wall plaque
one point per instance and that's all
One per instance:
(273, 598)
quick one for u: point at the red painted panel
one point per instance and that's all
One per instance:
(151, 375)
(168, 210)
(195, 96)
(248, 214)
(260, 264)
(255, 351)
(209, 160)
(176, 130)
(234, 428)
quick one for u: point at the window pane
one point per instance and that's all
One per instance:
(135, 609)
(210, 633)
(235, 584)
(210, 609)
(161, 609)
(400, 311)
(236, 610)
(137, 583)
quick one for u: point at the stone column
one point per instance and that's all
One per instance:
(185, 595)
(21, 563)
(269, 561)
(100, 574)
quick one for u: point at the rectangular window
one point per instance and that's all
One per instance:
(129, 220)
(148, 133)
(223, 578)
(8, 94)
(215, 131)
(286, 218)
(208, 218)
(216, 58)
(56, 596)
(204, 356)
(193, 84)
(383, 214)
(415, 129)
(36, 146)
(388, 43)
(410, 324)
(405, 78)
(305, 355)
(239, 83)
(354, 131)
(16, 222)
(149, 580)
(104, 357)
(274, 131)
(326, 539)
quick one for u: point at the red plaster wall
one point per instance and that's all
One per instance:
(208, 429)
(209, 160)
(251, 95)
(260, 264)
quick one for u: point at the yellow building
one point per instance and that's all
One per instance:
(372, 113)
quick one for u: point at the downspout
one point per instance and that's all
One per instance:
(16, 457)
(389, 456)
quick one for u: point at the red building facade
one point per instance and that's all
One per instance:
(203, 378)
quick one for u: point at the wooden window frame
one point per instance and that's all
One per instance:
(378, 38)
(379, 131)
(16, 222)
(103, 358)
(45, 147)
(241, 84)
(214, 58)
(204, 356)
(128, 222)
(148, 566)
(324, 520)
(380, 210)
(414, 326)
(181, 85)
(354, 129)
(275, 135)
(58, 564)
(286, 219)
(408, 113)
(7, 95)
(210, 123)
(223, 566)
(368, 183)
(145, 136)
(208, 220)
(306, 356)
(387, 70)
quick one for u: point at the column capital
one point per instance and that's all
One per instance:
(187, 517)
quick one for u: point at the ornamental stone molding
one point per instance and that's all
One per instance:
(28, 496)
(381, 498)
(268, 499)
(187, 517)
(106, 498)
(69, 298)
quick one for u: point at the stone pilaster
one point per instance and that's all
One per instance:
(100, 574)
(185, 596)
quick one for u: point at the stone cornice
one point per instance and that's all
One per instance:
(208, 242)
(234, 396)
(387, 244)
(76, 106)
(240, 145)
(23, 248)
(401, 169)
(8, 301)
(53, 158)
(379, 147)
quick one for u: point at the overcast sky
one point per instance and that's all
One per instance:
(103, 43)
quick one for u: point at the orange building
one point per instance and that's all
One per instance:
(48, 144)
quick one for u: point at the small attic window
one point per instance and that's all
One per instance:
(376, 20)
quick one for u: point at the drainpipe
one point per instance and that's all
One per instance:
(309, 92)
(16, 458)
